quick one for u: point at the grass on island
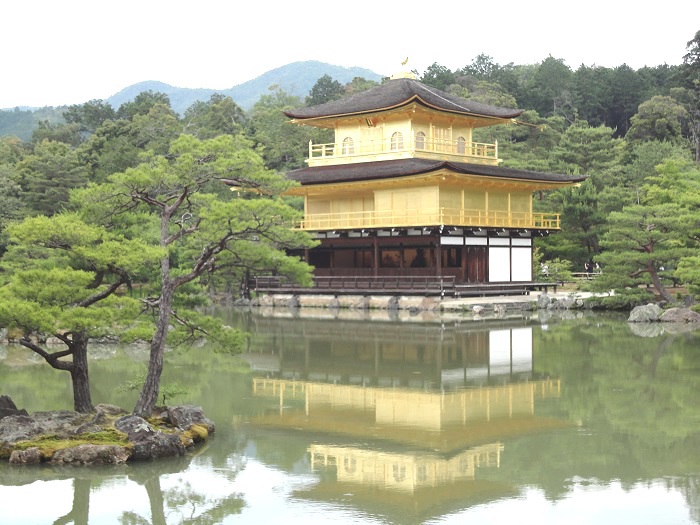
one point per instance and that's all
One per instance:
(49, 444)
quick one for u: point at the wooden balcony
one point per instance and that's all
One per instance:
(367, 151)
(417, 285)
(411, 218)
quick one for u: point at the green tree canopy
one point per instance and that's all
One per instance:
(48, 175)
(156, 129)
(550, 88)
(324, 90)
(592, 93)
(90, 115)
(689, 77)
(67, 133)
(142, 104)
(11, 203)
(482, 66)
(219, 116)
(11, 150)
(641, 243)
(438, 76)
(658, 118)
(163, 197)
(109, 150)
(64, 279)
(626, 94)
(648, 241)
(284, 145)
(358, 85)
(585, 149)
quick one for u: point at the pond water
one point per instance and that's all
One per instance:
(374, 418)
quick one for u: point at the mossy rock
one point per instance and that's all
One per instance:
(194, 434)
(49, 444)
(200, 433)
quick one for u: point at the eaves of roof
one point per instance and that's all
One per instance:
(389, 169)
(397, 93)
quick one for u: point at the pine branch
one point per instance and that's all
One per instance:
(51, 358)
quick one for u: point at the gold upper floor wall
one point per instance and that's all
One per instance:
(429, 201)
(412, 131)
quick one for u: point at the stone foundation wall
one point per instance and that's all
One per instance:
(362, 302)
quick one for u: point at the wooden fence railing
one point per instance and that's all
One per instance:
(360, 284)
(444, 286)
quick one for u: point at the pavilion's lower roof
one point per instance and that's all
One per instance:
(388, 169)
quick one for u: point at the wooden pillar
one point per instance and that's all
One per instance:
(375, 263)
(438, 258)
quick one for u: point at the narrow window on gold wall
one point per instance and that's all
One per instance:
(461, 145)
(348, 146)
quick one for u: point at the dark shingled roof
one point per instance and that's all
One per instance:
(397, 93)
(388, 169)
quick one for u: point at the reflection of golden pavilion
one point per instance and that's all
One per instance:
(404, 472)
(393, 354)
(401, 417)
(422, 451)
(438, 420)
(402, 384)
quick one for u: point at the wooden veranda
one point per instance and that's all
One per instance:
(444, 286)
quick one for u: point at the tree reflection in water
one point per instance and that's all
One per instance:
(183, 506)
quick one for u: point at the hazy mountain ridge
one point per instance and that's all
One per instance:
(296, 78)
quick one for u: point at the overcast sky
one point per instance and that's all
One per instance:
(57, 52)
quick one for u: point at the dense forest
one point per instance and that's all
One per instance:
(635, 134)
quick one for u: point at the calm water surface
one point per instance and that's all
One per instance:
(370, 418)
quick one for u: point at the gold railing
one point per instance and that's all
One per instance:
(388, 145)
(411, 218)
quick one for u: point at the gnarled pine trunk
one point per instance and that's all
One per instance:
(77, 344)
(82, 401)
(149, 393)
(656, 281)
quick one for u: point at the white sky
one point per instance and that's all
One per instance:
(56, 52)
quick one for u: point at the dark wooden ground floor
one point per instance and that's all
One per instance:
(482, 257)
(428, 261)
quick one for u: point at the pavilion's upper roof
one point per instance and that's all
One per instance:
(400, 92)
(388, 169)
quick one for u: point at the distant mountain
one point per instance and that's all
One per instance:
(296, 78)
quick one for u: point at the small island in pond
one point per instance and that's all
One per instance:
(108, 436)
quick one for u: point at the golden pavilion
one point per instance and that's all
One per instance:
(405, 192)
